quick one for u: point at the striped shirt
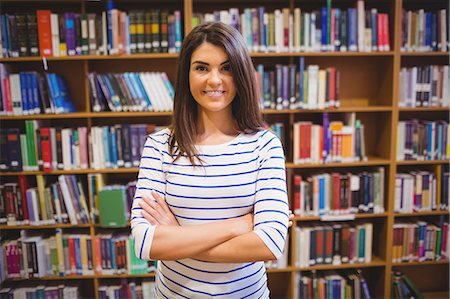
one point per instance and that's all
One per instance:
(245, 175)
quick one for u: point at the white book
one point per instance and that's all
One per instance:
(103, 48)
(149, 91)
(67, 199)
(443, 38)
(361, 23)
(291, 33)
(368, 242)
(66, 137)
(322, 89)
(307, 33)
(154, 86)
(446, 87)
(16, 95)
(166, 100)
(313, 84)
(313, 31)
(279, 34)
(54, 27)
(297, 29)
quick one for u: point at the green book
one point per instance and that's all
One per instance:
(112, 203)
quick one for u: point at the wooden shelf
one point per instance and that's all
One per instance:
(423, 109)
(407, 264)
(68, 277)
(372, 161)
(92, 57)
(87, 115)
(405, 54)
(74, 171)
(102, 276)
(357, 216)
(322, 54)
(169, 113)
(436, 295)
(49, 226)
(280, 270)
(376, 262)
(428, 213)
(422, 162)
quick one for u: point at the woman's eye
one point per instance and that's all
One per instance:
(200, 68)
(226, 68)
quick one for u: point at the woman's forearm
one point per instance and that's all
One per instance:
(179, 242)
(244, 248)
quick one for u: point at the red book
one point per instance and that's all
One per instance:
(328, 245)
(46, 148)
(308, 141)
(380, 37)
(386, 32)
(336, 184)
(7, 95)
(297, 196)
(23, 186)
(320, 236)
(44, 32)
(72, 253)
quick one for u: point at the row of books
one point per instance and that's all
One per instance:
(63, 201)
(296, 30)
(420, 191)
(425, 86)
(331, 284)
(47, 33)
(424, 31)
(339, 194)
(292, 87)
(423, 140)
(333, 244)
(56, 148)
(128, 289)
(333, 141)
(421, 241)
(42, 290)
(114, 254)
(403, 287)
(29, 93)
(149, 91)
(61, 254)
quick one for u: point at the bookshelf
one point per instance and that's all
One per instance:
(369, 87)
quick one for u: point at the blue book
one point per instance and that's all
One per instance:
(54, 94)
(78, 265)
(113, 254)
(113, 143)
(324, 29)
(428, 31)
(5, 35)
(248, 28)
(178, 32)
(262, 29)
(429, 137)
(70, 33)
(107, 147)
(140, 87)
(26, 107)
(321, 195)
(434, 32)
(374, 28)
(326, 138)
(352, 27)
(34, 95)
(301, 82)
(362, 244)
(14, 149)
(66, 100)
(131, 87)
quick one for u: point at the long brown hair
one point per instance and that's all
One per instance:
(245, 106)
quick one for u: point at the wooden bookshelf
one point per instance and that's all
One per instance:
(369, 87)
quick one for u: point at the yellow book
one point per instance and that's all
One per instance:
(43, 207)
(84, 257)
(60, 251)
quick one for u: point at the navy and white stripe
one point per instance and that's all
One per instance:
(243, 176)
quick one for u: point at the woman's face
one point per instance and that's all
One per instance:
(210, 79)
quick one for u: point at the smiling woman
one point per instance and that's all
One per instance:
(211, 200)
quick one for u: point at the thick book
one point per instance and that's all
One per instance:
(112, 205)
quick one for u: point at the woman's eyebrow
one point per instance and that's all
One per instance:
(206, 63)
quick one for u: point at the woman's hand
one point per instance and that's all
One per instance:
(291, 218)
(156, 211)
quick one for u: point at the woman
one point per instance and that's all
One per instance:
(211, 202)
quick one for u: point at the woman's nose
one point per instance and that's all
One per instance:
(214, 77)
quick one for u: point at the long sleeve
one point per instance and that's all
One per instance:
(271, 202)
(151, 177)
